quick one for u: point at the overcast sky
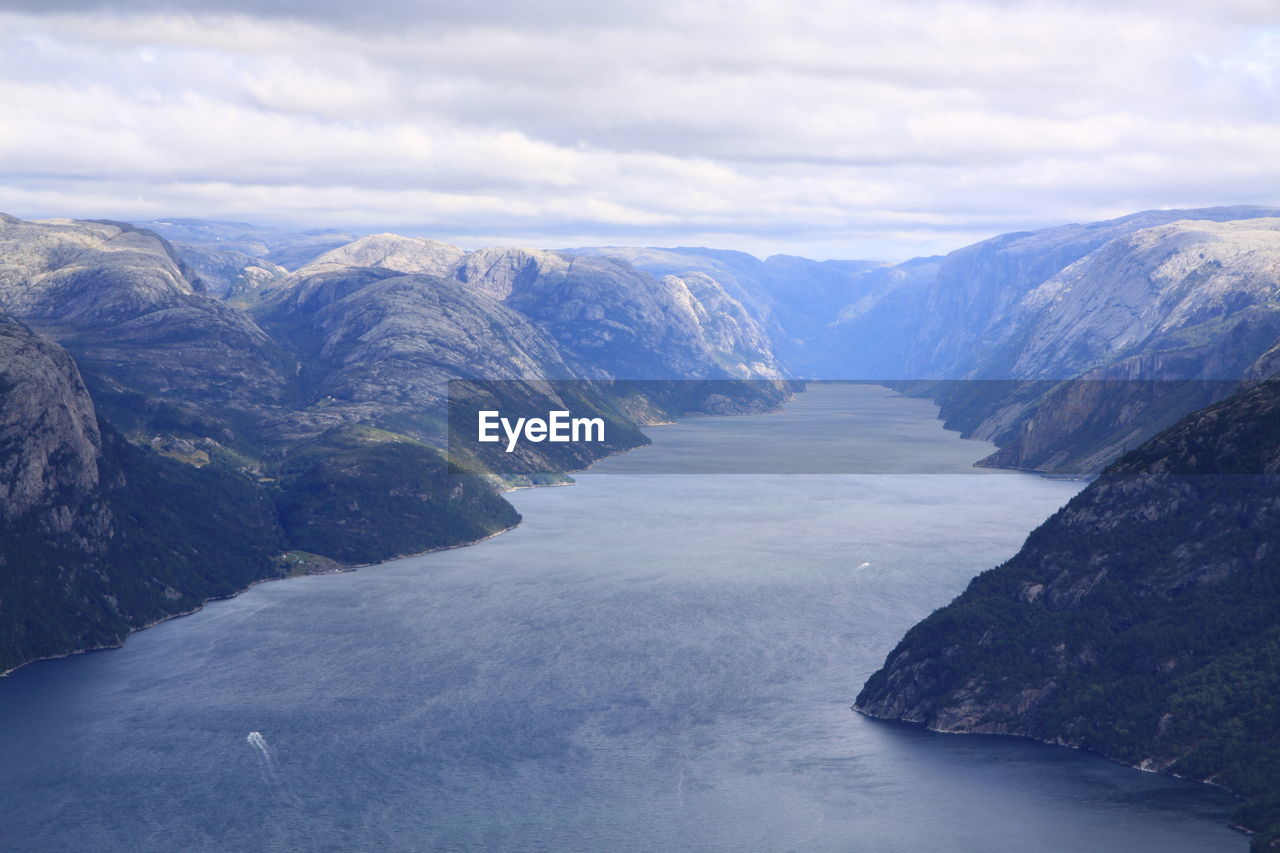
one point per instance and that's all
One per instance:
(842, 129)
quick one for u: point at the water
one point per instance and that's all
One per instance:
(650, 662)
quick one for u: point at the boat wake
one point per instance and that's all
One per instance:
(258, 742)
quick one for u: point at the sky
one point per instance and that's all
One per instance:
(881, 130)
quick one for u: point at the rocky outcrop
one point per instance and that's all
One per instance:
(49, 440)
(793, 300)
(632, 325)
(500, 272)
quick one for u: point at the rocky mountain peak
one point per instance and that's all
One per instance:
(498, 272)
(394, 252)
(1149, 286)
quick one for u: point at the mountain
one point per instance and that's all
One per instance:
(153, 345)
(285, 247)
(1163, 320)
(380, 347)
(393, 252)
(1064, 346)
(234, 277)
(1184, 299)
(1140, 621)
(102, 537)
(794, 299)
(183, 419)
(955, 321)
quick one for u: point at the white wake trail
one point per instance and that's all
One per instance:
(258, 742)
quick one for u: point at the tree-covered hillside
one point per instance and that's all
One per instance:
(1141, 621)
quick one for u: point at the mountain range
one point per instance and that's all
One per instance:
(191, 406)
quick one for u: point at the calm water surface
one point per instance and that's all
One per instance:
(655, 661)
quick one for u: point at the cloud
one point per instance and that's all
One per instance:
(879, 129)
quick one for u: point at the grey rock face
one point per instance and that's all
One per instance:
(1152, 290)
(961, 318)
(624, 322)
(393, 252)
(77, 273)
(793, 301)
(119, 300)
(1159, 317)
(382, 347)
(499, 272)
(49, 440)
(123, 304)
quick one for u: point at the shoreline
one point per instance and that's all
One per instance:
(356, 566)
(343, 569)
(915, 725)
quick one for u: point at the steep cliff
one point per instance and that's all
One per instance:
(101, 537)
(1139, 621)
(625, 322)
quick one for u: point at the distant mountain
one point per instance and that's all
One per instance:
(393, 252)
(138, 321)
(796, 300)
(287, 248)
(380, 347)
(1185, 297)
(972, 304)
(1139, 621)
(232, 276)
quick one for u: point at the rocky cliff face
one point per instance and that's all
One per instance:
(954, 321)
(49, 439)
(1152, 325)
(793, 300)
(101, 537)
(1158, 290)
(381, 347)
(624, 322)
(1139, 621)
(1187, 298)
